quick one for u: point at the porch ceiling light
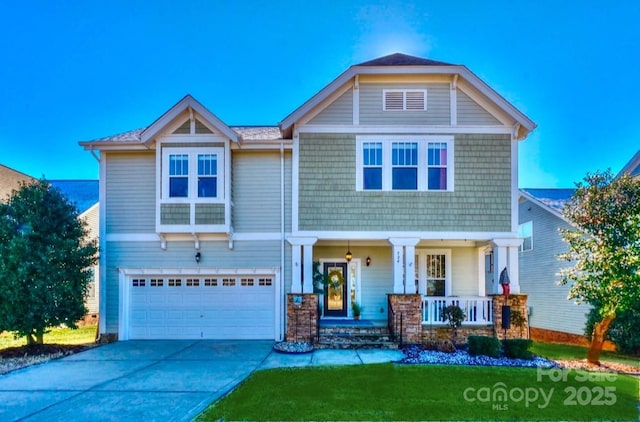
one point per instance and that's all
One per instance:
(348, 256)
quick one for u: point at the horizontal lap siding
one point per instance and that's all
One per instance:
(256, 192)
(471, 113)
(131, 192)
(539, 269)
(464, 272)
(340, 112)
(438, 106)
(481, 201)
(245, 254)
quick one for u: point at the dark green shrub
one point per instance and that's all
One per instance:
(483, 345)
(517, 348)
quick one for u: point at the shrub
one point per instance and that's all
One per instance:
(517, 348)
(446, 346)
(454, 316)
(484, 345)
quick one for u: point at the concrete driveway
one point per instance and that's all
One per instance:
(150, 380)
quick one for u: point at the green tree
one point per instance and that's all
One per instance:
(45, 260)
(604, 247)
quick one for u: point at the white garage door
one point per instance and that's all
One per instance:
(202, 307)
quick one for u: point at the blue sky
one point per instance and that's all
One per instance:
(79, 70)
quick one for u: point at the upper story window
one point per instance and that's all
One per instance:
(372, 165)
(404, 163)
(525, 231)
(404, 99)
(192, 174)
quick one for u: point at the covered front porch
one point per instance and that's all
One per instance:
(365, 271)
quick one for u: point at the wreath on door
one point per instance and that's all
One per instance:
(334, 281)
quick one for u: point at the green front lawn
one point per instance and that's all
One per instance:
(569, 352)
(423, 392)
(83, 335)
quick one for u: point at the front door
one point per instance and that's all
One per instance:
(335, 297)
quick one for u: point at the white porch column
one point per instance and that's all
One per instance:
(410, 269)
(482, 271)
(296, 274)
(505, 255)
(403, 262)
(307, 268)
(499, 264)
(398, 269)
(514, 269)
(300, 245)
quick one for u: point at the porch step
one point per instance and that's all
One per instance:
(344, 336)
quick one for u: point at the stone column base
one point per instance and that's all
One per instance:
(302, 317)
(517, 302)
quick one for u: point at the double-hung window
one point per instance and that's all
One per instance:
(404, 163)
(178, 175)
(372, 165)
(192, 174)
(525, 231)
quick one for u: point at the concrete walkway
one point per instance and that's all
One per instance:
(150, 380)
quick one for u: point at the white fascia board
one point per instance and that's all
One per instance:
(292, 118)
(486, 90)
(463, 71)
(115, 146)
(526, 195)
(248, 145)
(407, 129)
(631, 165)
(378, 235)
(188, 101)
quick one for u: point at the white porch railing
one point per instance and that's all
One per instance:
(477, 310)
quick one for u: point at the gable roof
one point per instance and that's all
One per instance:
(141, 138)
(185, 103)
(9, 180)
(83, 193)
(552, 200)
(399, 59)
(398, 63)
(632, 167)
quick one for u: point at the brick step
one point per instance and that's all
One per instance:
(354, 343)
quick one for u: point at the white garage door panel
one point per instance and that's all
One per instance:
(202, 307)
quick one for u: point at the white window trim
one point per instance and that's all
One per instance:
(404, 99)
(193, 153)
(521, 247)
(387, 141)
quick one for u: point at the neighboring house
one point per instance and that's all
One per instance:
(408, 164)
(82, 193)
(552, 315)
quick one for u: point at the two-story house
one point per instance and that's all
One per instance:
(400, 176)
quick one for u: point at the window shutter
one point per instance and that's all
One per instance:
(415, 100)
(393, 100)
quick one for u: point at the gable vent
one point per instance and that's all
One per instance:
(405, 100)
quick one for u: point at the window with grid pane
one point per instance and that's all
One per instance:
(207, 175)
(437, 166)
(436, 274)
(178, 175)
(404, 165)
(372, 165)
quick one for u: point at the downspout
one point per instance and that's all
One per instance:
(282, 236)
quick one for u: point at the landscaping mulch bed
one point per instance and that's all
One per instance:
(13, 358)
